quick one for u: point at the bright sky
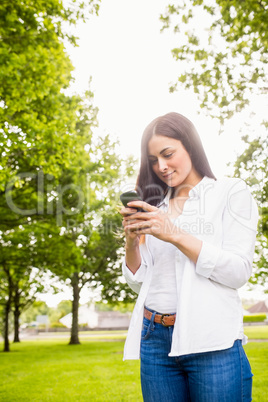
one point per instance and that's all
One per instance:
(131, 67)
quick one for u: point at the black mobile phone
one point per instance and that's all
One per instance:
(131, 196)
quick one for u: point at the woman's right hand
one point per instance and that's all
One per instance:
(133, 257)
(132, 237)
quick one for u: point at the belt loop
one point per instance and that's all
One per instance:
(151, 326)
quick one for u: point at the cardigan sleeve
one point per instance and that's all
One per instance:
(231, 264)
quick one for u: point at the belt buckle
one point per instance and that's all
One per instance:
(162, 319)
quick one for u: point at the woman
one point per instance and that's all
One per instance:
(186, 256)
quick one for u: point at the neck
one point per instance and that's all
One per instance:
(183, 189)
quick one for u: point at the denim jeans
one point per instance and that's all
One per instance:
(218, 376)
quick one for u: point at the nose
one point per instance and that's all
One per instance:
(162, 165)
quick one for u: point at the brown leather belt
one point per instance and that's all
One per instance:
(165, 319)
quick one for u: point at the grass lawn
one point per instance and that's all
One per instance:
(257, 353)
(51, 370)
(256, 331)
(90, 335)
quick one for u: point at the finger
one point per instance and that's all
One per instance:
(130, 233)
(131, 222)
(137, 225)
(143, 216)
(139, 231)
(150, 227)
(142, 231)
(127, 224)
(127, 211)
(142, 204)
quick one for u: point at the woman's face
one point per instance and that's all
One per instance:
(171, 162)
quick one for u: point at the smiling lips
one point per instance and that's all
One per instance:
(167, 175)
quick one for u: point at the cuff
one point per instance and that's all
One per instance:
(138, 277)
(207, 259)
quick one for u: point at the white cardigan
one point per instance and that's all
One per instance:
(224, 216)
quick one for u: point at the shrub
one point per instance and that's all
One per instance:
(83, 326)
(254, 317)
(57, 325)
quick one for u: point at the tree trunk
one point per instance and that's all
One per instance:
(6, 325)
(16, 314)
(16, 324)
(74, 331)
(7, 309)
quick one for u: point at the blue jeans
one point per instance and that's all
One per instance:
(218, 376)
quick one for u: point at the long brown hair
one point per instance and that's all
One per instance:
(173, 125)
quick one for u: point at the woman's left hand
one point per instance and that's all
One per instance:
(154, 221)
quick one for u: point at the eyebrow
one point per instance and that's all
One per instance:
(161, 152)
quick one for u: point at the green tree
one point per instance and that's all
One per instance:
(56, 181)
(37, 119)
(36, 308)
(64, 308)
(73, 206)
(88, 249)
(84, 248)
(26, 289)
(252, 166)
(20, 282)
(222, 55)
(222, 51)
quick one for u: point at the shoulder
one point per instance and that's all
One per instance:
(231, 185)
(228, 191)
(238, 195)
(211, 187)
(229, 181)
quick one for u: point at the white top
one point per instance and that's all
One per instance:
(162, 295)
(209, 317)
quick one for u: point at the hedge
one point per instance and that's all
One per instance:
(254, 317)
(57, 325)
